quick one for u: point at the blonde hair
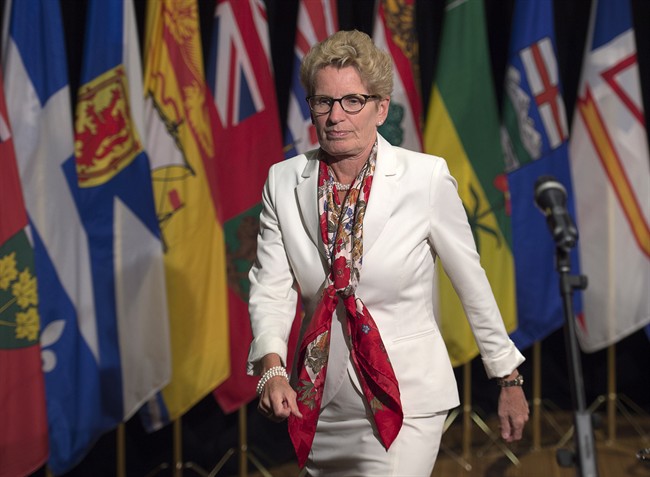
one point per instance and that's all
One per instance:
(349, 48)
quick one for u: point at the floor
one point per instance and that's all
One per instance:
(487, 456)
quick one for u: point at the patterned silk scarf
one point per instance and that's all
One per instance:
(342, 233)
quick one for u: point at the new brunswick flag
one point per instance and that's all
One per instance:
(248, 141)
(179, 116)
(463, 127)
(23, 439)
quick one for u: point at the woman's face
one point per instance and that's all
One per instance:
(341, 134)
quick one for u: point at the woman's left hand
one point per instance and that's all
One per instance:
(513, 412)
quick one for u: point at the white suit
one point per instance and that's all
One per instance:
(414, 216)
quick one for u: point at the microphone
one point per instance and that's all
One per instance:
(550, 198)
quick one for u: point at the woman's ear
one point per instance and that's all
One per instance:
(384, 105)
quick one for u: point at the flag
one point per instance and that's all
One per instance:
(610, 166)
(317, 19)
(23, 440)
(470, 143)
(395, 32)
(118, 211)
(535, 141)
(38, 105)
(181, 149)
(248, 141)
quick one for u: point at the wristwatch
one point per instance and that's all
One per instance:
(504, 383)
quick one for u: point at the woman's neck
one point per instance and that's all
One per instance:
(347, 168)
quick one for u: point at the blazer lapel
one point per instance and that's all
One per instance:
(306, 193)
(382, 194)
(380, 205)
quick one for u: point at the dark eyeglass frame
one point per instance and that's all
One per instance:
(366, 98)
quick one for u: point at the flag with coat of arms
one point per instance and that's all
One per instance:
(469, 142)
(396, 33)
(248, 140)
(610, 165)
(23, 419)
(535, 139)
(38, 106)
(181, 147)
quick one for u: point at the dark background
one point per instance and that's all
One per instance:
(207, 432)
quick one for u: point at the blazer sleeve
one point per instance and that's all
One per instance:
(273, 296)
(453, 242)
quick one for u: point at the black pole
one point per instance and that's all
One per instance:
(584, 457)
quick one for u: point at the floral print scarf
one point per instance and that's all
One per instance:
(341, 227)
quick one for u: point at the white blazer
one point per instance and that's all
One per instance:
(414, 216)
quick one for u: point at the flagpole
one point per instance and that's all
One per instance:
(120, 470)
(611, 394)
(537, 395)
(244, 454)
(467, 410)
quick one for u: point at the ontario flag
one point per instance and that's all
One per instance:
(610, 165)
(23, 420)
(535, 141)
(317, 19)
(395, 32)
(247, 142)
(115, 198)
(38, 106)
(181, 148)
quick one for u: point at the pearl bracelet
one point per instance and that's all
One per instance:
(270, 373)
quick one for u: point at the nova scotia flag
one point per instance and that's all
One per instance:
(38, 103)
(116, 203)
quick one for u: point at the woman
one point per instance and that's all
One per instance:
(355, 228)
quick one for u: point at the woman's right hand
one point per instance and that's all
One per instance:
(278, 400)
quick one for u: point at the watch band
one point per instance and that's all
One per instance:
(504, 383)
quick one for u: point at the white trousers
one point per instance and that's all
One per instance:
(346, 444)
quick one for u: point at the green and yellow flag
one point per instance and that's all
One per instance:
(463, 127)
(181, 148)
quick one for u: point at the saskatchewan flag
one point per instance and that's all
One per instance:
(463, 127)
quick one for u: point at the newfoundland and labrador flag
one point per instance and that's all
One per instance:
(38, 104)
(317, 19)
(247, 142)
(23, 440)
(463, 127)
(181, 148)
(535, 139)
(395, 32)
(610, 165)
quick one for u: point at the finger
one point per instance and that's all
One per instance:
(505, 428)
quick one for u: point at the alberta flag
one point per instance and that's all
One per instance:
(38, 104)
(248, 141)
(317, 19)
(396, 33)
(535, 140)
(610, 164)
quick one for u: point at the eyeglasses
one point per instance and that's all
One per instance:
(351, 103)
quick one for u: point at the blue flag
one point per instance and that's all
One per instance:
(117, 208)
(535, 137)
(38, 104)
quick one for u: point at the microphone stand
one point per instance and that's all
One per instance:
(584, 456)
